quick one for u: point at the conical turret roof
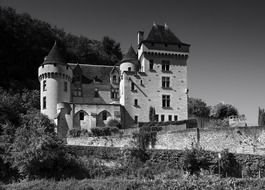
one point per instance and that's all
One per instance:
(55, 56)
(130, 56)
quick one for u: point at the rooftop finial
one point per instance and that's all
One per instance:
(166, 26)
(154, 24)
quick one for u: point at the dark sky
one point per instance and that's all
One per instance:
(227, 37)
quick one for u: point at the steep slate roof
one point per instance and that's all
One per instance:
(162, 34)
(55, 56)
(130, 56)
(94, 73)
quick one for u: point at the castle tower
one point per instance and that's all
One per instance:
(130, 64)
(129, 61)
(160, 82)
(163, 57)
(55, 78)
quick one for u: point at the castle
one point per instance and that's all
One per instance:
(84, 96)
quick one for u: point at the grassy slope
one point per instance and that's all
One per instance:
(210, 183)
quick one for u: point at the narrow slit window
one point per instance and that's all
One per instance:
(44, 103)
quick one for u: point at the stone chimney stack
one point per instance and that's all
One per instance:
(140, 37)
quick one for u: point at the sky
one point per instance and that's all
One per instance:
(227, 37)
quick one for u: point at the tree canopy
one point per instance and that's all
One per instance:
(197, 107)
(25, 42)
(221, 111)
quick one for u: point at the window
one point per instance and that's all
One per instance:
(114, 79)
(114, 93)
(44, 85)
(78, 91)
(165, 82)
(136, 119)
(96, 94)
(151, 64)
(132, 86)
(81, 116)
(156, 117)
(165, 65)
(170, 118)
(65, 86)
(135, 102)
(129, 68)
(162, 117)
(44, 103)
(104, 115)
(175, 117)
(142, 82)
(165, 101)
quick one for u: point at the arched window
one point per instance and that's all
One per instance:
(104, 115)
(114, 79)
(81, 116)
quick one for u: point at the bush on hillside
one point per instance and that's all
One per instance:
(193, 160)
(37, 152)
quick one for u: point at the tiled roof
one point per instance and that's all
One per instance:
(162, 34)
(94, 73)
(55, 56)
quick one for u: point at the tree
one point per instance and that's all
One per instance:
(37, 152)
(152, 114)
(261, 117)
(222, 111)
(197, 107)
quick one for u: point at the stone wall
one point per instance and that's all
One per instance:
(111, 141)
(243, 140)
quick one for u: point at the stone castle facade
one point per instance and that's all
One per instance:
(85, 96)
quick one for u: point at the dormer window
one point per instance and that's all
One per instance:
(114, 93)
(78, 91)
(114, 79)
(96, 94)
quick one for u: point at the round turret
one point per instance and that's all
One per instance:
(129, 61)
(55, 78)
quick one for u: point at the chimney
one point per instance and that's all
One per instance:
(140, 37)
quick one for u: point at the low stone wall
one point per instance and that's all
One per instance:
(242, 140)
(110, 141)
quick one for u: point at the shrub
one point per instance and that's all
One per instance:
(104, 131)
(193, 160)
(229, 165)
(132, 159)
(146, 136)
(113, 123)
(74, 132)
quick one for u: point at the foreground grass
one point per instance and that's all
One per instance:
(191, 183)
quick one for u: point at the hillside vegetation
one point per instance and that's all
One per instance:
(25, 42)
